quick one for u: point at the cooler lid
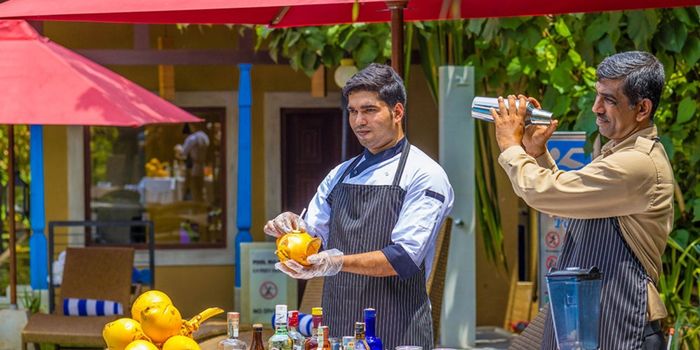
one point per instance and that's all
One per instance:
(592, 273)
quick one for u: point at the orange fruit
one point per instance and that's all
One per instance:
(145, 300)
(297, 246)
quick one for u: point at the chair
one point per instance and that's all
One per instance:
(435, 285)
(91, 273)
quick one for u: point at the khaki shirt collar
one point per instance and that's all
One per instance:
(612, 147)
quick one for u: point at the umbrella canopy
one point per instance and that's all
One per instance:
(47, 84)
(285, 13)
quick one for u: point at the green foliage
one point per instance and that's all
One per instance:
(31, 300)
(101, 143)
(307, 48)
(21, 166)
(553, 58)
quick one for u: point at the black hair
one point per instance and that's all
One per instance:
(378, 78)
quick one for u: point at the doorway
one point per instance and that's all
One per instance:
(311, 144)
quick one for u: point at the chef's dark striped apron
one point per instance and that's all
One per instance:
(599, 242)
(362, 219)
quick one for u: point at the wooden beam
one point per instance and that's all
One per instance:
(177, 57)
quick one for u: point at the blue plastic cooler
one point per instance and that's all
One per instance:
(574, 298)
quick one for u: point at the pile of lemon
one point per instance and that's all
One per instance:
(155, 324)
(154, 168)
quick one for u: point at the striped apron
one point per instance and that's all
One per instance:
(623, 305)
(362, 219)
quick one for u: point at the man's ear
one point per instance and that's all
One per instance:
(644, 112)
(398, 112)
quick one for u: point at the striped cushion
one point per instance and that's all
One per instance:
(91, 307)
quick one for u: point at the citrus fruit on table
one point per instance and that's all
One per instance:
(146, 299)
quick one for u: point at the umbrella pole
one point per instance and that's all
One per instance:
(11, 213)
(397, 53)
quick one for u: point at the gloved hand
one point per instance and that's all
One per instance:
(283, 224)
(326, 263)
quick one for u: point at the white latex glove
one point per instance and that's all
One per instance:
(326, 263)
(283, 224)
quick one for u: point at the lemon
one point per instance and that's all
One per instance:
(161, 321)
(145, 300)
(141, 345)
(118, 334)
(297, 246)
(180, 342)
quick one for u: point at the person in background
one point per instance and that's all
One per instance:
(621, 204)
(194, 153)
(378, 215)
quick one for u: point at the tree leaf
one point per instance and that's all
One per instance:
(367, 52)
(691, 50)
(514, 67)
(686, 110)
(574, 57)
(596, 29)
(561, 27)
(682, 15)
(696, 210)
(641, 26)
(474, 25)
(672, 36)
(511, 22)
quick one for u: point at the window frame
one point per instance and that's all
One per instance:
(209, 254)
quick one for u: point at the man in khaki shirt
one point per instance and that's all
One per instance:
(621, 203)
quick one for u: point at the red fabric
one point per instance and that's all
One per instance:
(301, 12)
(44, 83)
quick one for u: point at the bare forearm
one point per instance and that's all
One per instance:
(372, 263)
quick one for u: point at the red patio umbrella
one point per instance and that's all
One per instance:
(47, 84)
(290, 13)
(284, 13)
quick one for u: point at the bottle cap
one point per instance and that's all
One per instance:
(258, 326)
(317, 311)
(370, 312)
(293, 318)
(233, 316)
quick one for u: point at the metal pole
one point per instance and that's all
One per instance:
(11, 211)
(396, 8)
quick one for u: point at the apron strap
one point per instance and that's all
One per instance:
(348, 170)
(402, 163)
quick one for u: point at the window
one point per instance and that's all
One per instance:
(172, 174)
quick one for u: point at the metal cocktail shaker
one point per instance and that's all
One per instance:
(481, 109)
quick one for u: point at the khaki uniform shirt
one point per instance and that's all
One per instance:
(631, 180)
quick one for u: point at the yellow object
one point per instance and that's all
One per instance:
(161, 321)
(191, 326)
(118, 334)
(317, 311)
(180, 342)
(141, 345)
(145, 300)
(297, 246)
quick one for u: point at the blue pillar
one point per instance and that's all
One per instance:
(243, 203)
(38, 259)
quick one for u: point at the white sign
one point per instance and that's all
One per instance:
(262, 286)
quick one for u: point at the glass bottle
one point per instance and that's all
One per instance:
(324, 342)
(232, 342)
(257, 338)
(375, 343)
(360, 341)
(311, 342)
(280, 340)
(297, 338)
(348, 342)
